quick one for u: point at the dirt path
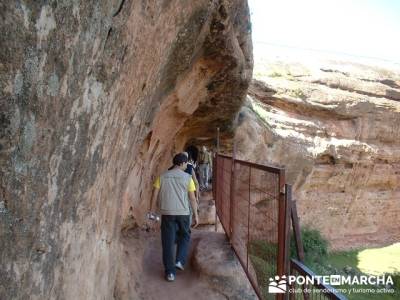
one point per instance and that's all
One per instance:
(188, 285)
(142, 274)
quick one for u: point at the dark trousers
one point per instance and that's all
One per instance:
(174, 228)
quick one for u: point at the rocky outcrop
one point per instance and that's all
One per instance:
(96, 96)
(336, 128)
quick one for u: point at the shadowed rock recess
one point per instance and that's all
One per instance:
(96, 97)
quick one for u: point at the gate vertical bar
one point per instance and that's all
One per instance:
(216, 183)
(215, 186)
(296, 232)
(281, 229)
(292, 296)
(248, 222)
(217, 140)
(214, 177)
(288, 208)
(232, 190)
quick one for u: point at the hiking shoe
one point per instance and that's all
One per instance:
(179, 266)
(170, 277)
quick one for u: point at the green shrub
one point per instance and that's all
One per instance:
(264, 270)
(263, 249)
(396, 281)
(263, 255)
(314, 243)
(315, 246)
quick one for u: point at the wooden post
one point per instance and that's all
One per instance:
(297, 233)
(288, 206)
(281, 261)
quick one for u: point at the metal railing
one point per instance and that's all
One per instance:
(310, 291)
(252, 206)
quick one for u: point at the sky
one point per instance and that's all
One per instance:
(367, 28)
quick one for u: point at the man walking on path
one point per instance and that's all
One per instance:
(175, 188)
(205, 162)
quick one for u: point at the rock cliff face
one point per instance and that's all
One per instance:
(96, 96)
(336, 128)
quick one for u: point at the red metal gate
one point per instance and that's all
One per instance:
(253, 208)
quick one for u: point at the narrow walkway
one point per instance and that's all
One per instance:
(212, 270)
(188, 284)
(142, 274)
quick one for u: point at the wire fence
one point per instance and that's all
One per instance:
(252, 208)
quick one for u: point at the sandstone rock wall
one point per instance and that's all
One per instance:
(336, 128)
(96, 96)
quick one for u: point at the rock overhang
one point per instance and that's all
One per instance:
(97, 98)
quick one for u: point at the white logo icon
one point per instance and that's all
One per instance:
(277, 285)
(335, 280)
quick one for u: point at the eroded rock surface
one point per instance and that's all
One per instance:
(336, 128)
(214, 260)
(96, 96)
